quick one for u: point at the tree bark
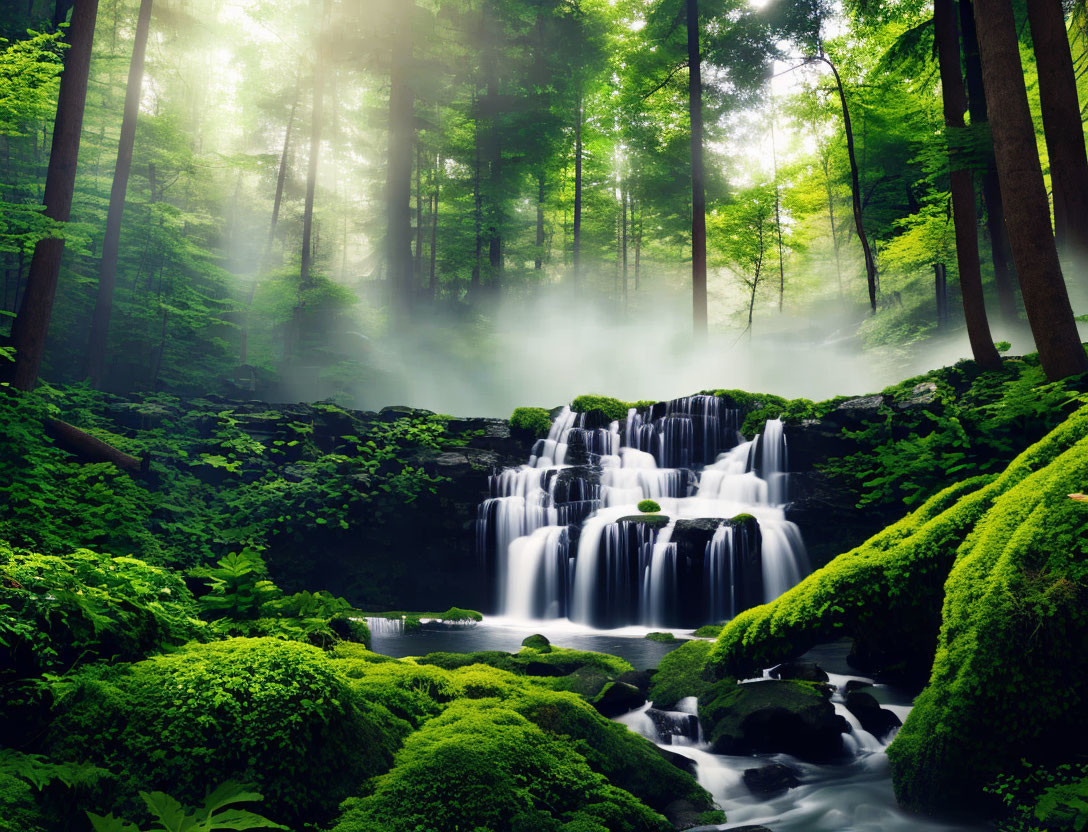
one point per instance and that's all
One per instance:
(1061, 124)
(963, 188)
(434, 233)
(1027, 208)
(855, 188)
(399, 175)
(418, 269)
(576, 245)
(538, 263)
(31, 326)
(698, 187)
(623, 199)
(92, 449)
(111, 242)
(1004, 281)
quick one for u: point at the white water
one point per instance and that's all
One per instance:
(688, 456)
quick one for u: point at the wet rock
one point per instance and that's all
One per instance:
(639, 678)
(618, 698)
(876, 720)
(921, 396)
(770, 781)
(799, 671)
(683, 814)
(771, 716)
(587, 681)
(669, 724)
(537, 642)
(679, 760)
(396, 411)
(856, 684)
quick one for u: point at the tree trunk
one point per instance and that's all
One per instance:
(963, 188)
(1034, 253)
(434, 233)
(624, 200)
(31, 327)
(831, 219)
(1061, 124)
(418, 269)
(317, 116)
(477, 211)
(638, 239)
(90, 448)
(538, 264)
(855, 188)
(399, 175)
(107, 271)
(778, 223)
(991, 188)
(576, 245)
(698, 188)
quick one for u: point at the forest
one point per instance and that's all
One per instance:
(543, 415)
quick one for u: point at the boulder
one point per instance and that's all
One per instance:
(618, 698)
(639, 678)
(876, 720)
(771, 716)
(537, 642)
(921, 396)
(683, 763)
(587, 681)
(799, 671)
(770, 781)
(856, 684)
(669, 724)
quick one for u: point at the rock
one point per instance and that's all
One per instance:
(679, 760)
(397, 411)
(669, 724)
(537, 642)
(587, 681)
(859, 409)
(771, 716)
(683, 814)
(856, 684)
(657, 521)
(618, 698)
(750, 828)
(920, 396)
(876, 720)
(770, 781)
(799, 671)
(639, 678)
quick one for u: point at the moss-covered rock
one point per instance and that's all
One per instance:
(680, 674)
(537, 642)
(533, 421)
(664, 638)
(771, 716)
(263, 711)
(618, 698)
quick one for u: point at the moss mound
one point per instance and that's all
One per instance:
(533, 420)
(997, 569)
(270, 712)
(680, 674)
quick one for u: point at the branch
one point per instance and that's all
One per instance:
(669, 77)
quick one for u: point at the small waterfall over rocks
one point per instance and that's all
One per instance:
(562, 536)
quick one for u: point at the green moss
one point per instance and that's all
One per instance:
(613, 409)
(680, 674)
(664, 638)
(537, 642)
(649, 507)
(535, 420)
(274, 713)
(709, 631)
(452, 614)
(560, 660)
(997, 567)
(482, 765)
(648, 519)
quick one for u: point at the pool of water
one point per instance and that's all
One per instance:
(499, 634)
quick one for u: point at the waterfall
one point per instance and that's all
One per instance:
(562, 536)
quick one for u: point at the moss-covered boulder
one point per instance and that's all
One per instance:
(771, 716)
(618, 698)
(273, 713)
(537, 642)
(680, 674)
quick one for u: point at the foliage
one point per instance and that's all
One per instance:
(664, 638)
(680, 675)
(1040, 797)
(213, 814)
(613, 409)
(535, 420)
(247, 702)
(648, 507)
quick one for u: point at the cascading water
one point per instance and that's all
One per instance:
(563, 537)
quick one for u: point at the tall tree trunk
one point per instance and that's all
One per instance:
(433, 283)
(399, 175)
(538, 263)
(855, 188)
(31, 326)
(1061, 124)
(698, 188)
(778, 222)
(831, 219)
(623, 200)
(576, 245)
(963, 188)
(1034, 253)
(991, 187)
(638, 240)
(418, 270)
(294, 343)
(107, 270)
(477, 209)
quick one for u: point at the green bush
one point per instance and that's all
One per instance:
(535, 420)
(1041, 797)
(613, 409)
(648, 507)
(482, 766)
(270, 712)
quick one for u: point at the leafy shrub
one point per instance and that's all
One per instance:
(1039, 797)
(212, 814)
(648, 507)
(482, 766)
(613, 409)
(534, 420)
(271, 712)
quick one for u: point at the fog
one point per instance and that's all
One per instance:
(545, 350)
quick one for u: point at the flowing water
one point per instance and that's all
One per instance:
(561, 536)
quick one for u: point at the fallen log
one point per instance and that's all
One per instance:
(91, 448)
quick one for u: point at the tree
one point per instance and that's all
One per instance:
(107, 274)
(1062, 123)
(698, 176)
(962, 184)
(399, 170)
(1027, 210)
(743, 235)
(32, 323)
